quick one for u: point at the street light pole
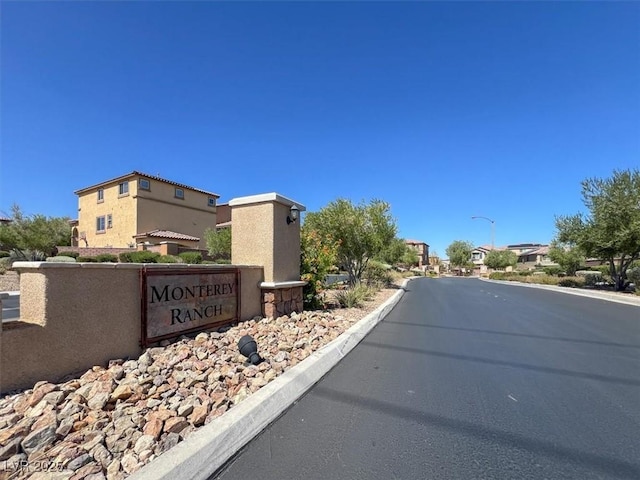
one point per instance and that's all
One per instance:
(493, 228)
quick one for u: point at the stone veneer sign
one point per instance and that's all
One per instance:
(187, 301)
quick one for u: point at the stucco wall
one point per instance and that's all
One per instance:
(122, 209)
(286, 240)
(153, 214)
(252, 236)
(77, 315)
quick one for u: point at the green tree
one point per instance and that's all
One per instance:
(499, 259)
(410, 257)
(362, 232)
(459, 253)
(393, 252)
(610, 231)
(317, 256)
(27, 234)
(218, 243)
(568, 257)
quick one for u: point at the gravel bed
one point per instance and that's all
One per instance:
(108, 422)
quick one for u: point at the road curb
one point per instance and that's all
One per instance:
(570, 291)
(209, 448)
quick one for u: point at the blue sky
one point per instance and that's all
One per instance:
(445, 110)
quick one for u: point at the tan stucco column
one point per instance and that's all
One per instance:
(262, 235)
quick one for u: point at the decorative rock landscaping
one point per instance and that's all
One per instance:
(108, 422)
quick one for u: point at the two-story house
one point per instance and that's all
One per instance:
(422, 249)
(140, 208)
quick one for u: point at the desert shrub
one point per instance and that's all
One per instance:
(4, 254)
(221, 261)
(168, 259)
(591, 277)
(3, 268)
(125, 257)
(633, 275)
(69, 254)
(552, 270)
(86, 259)
(377, 274)
(144, 256)
(497, 275)
(573, 282)
(524, 273)
(61, 259)
(106, 258)
(26, 256)
(192, 258)
(355, 296)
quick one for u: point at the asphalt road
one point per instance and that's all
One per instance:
(11, 308)
(467, 379)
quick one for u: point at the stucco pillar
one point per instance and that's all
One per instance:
(261, 235)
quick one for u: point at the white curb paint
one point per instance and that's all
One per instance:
(209, 448)
(610, 297)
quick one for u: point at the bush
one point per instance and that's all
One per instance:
(524, 273)
(169, 259)
(86, 259)
(192, 258)
(4, 254)
(144, 256)
(552, 270)
(69, 254)
(377, 274)
(106, 258)
(355, 296)
(497, 275)
(633, 275)
(125, 257)
(572, 282)
(61, 259)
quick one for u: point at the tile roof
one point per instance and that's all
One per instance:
(167, 234)
(414, 242)
(151, 177)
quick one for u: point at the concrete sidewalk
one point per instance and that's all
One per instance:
(626, 298)
(209, 448)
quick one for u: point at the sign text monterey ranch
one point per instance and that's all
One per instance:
(187, 300)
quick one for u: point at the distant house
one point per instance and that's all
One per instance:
(530, 256)
(535, 257)
(140, 208)
(422, 249)
(478, 256)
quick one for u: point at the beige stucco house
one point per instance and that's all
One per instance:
(140, 208)
(422, 249)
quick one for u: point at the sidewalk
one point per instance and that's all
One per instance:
(627, 299)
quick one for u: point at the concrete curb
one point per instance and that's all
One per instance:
(209, 448)
(572, 291)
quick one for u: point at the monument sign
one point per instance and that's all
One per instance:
(187, 301)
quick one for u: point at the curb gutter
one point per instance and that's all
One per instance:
(572, 291)
(208, 449)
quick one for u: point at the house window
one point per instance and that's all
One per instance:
(476, 256)
(109, 221)
(100, 224)
(123, 188)
(145, 184)
(100, 195)
(212, 202)
(179, 193)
